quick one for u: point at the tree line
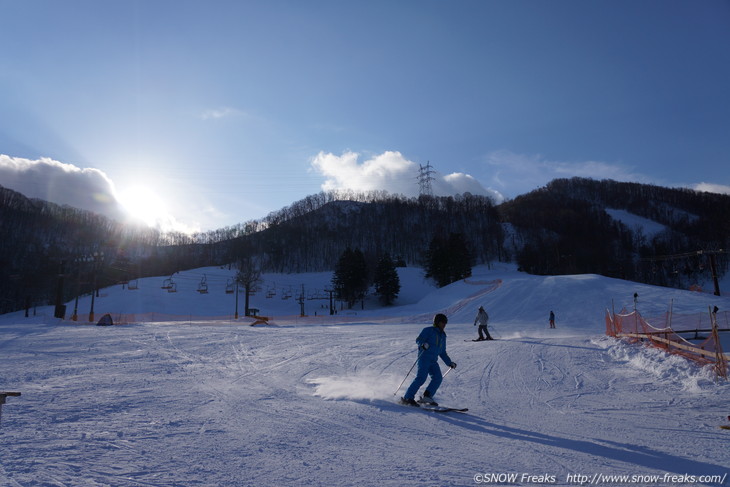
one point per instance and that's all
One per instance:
(562, 228)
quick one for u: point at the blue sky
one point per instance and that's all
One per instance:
(204, 114)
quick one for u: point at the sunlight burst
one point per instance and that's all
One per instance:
(144, 205)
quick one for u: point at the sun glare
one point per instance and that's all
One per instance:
(145, 206)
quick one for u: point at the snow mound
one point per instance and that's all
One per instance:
(668, 369)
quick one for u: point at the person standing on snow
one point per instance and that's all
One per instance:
(552, 319)
(483, 318)
(431, 345)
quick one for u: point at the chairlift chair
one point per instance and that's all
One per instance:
(286, 293)
(203, 286)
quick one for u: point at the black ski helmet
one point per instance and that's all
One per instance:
(440, 318)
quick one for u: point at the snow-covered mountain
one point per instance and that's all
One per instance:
(630, 231)
(211, 401)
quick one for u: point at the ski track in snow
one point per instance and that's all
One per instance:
(200, 404)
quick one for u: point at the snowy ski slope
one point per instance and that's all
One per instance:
(310, 401)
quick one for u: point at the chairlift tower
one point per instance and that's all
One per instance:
(300, 298)
(331, 293)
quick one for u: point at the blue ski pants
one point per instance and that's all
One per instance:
(425, 368)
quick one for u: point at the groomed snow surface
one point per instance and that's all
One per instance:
(310, 401)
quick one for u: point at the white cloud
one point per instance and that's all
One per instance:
(88, 189)
(64, 184)
(389, 171)
(712, 188)
(517, 174)
(392, 172)
(218, 113)
(459, 183)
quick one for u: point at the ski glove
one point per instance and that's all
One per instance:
(453, 365)
(424, 346)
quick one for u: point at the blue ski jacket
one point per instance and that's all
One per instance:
(436, 340)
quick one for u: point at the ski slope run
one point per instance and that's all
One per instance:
(312, 402)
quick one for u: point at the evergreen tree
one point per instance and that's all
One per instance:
(448, 259)
(386, 280)
(460, 257)
(350, 279)
(436, 261)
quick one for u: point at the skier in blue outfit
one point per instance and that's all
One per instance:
(431, 345)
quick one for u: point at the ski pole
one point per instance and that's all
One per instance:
(409, 372)
(447, 372)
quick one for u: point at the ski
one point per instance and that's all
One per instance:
(435, 409)
(725, 426)
(442, 409)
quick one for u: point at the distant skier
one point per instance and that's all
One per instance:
(431, 345)
(482, 318)
(552, 319)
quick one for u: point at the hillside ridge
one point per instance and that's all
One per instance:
(567, 227)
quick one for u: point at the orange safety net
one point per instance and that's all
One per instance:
(705, 349)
